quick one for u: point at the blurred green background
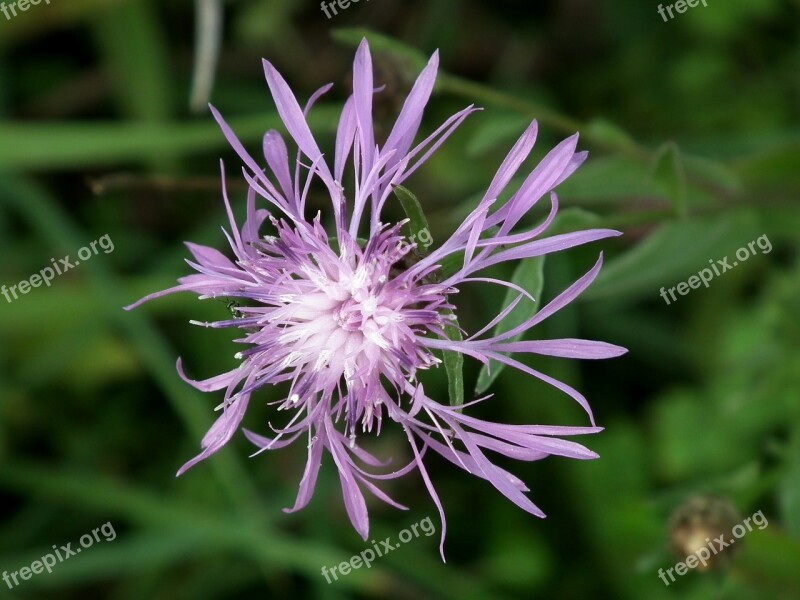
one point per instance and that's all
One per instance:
(693, 127)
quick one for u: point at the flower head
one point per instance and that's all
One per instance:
(346, 324)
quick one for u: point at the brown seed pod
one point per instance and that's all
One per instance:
(704, 522)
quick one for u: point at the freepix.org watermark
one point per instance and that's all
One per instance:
(713, 547)
(367, 556)
(59, 555)
(10, 9)
(328, 7)
(48, 274)
(680, 6)
(719, 267)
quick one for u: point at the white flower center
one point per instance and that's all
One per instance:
(344, 324)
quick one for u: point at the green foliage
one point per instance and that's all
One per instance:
(414, 213)
(454, 365)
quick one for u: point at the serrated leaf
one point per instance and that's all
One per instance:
(454, 364)
(669, 175)
(529, 275)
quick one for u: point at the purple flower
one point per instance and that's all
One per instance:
(346, 324)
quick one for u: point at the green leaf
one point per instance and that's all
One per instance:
(454, 364)
(669, 175)
(671, 253)
(778, 166)
(789, 494)
(417, 222)
(529, 275)
(497, 130)
(608, 180)
(771, 556)
(451, 264)
(610, 135)
(714, 172)
(573, 219)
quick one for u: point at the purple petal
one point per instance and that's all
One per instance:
(237, 243)
(345, 134)
(557, 303)
(380, 494)
(437, 138)
(570, 391)
(362, 96)
(539, 182)
(277, 156)
(509, 450)
(265, 443)
(512, 162)
(408, 121)
(212, 384)
(210, 257)
(564, 348)
(555, 243)
(188, 286)
(495, 477)
(431, 490)
(221, 431)
(292, 116)
(316, 96)
(574, 163)
(309, 481)
(353, 498)
(248, 160)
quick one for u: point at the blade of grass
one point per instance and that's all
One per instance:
(63, 145)
(141, 80)
(221, 530)
(46, 216)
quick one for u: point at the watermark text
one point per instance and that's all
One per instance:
(713, 547)
(59, 555)
(10, 9)
(367, 556)
(46, 275)
(719, 267)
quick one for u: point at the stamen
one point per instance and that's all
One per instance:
(290, 359)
